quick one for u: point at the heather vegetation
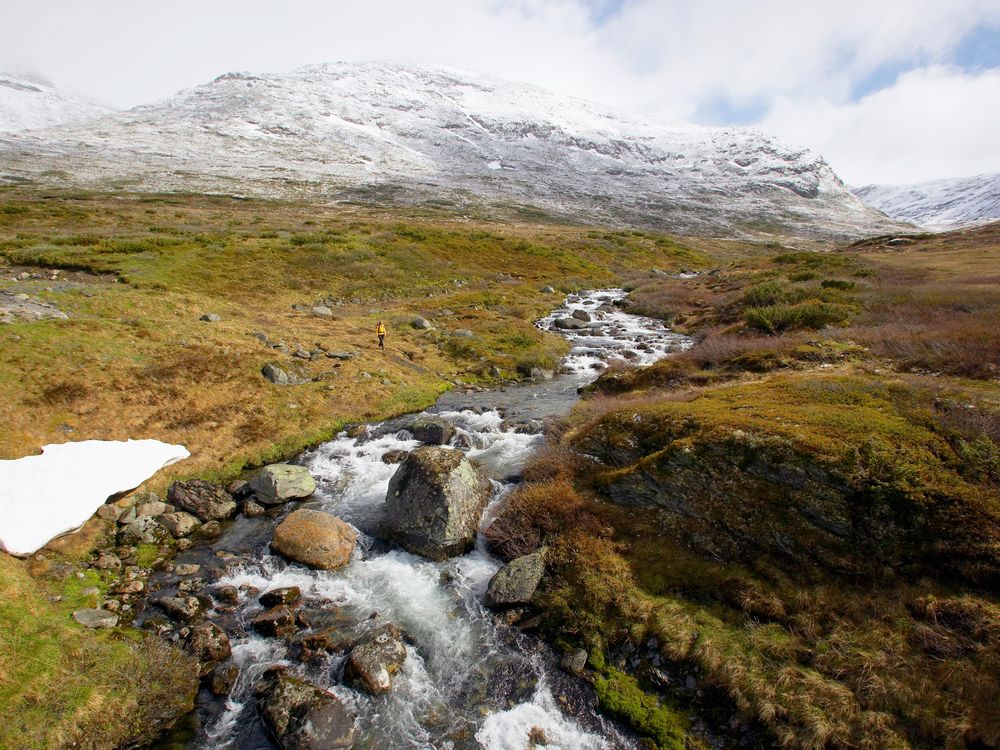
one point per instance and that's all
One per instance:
(800, 513)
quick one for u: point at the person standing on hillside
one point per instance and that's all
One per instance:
(380, 332)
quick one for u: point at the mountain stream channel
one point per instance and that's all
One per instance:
(469, 679)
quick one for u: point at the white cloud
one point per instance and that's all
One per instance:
(660, 57)
(934, 122)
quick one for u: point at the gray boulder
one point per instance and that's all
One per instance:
(143, 530)
(435, 501)
(574, 661)
(210, 318)
(179, 524)
(582, 315)
(275, 374)
(432, 430)
(322, 311)
(515, 583)
(422, 324)
(374, 661)
(570, 324)
(280, 483)
(206, 500)
(303, 716)
(184, 608)
(95, 618)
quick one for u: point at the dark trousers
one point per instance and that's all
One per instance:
(381, 341)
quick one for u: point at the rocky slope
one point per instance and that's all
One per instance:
(941, 204)
(422, 134)
(29, 103)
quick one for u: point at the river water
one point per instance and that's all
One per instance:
(469, 680)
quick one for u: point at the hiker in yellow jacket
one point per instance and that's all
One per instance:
(380, 332)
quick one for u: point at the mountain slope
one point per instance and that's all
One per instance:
(412, 134)
(941, 204)
(28, 103)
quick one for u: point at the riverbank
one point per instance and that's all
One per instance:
(791, 527)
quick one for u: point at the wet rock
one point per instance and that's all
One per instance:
(252, 509)
(569, 324)
(187, 569)
(372, 663)
(228, 594)
(240, 489)
(206, 500)
(539, 373)
(275, 374)
(210, 318)
(435, 501)
(574, 662)
(582, 315)
(210, 645)
(515, 583)
(184, 608)
(179, 524)
(209, 530)
(96, 618)
(315, 539)
(280, 483)
(432, 430)
(276, 622)
(394, 456)
(223, 679)
(274, 597)
(302, 716)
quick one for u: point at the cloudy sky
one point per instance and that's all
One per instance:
(888, 90)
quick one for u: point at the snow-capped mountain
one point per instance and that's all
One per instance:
(29, 102)
(406, 133)
(941, 204)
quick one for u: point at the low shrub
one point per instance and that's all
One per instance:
(811, 314)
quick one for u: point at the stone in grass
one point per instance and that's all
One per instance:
(280, 483)
(574, 661)
(315, 539)
(275, 374)
(421, 324)
(516, 582)
(210, 318)
(322, 311)
(96, 618)
(185, 608)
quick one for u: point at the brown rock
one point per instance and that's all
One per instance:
(315, 539)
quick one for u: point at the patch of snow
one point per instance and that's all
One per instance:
(940, 204)
(28, 103)
(56, 492)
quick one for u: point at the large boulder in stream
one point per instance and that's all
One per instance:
(280, 483)
(515, 583)
(435, 501)
(315, 539)
(303, 716)
(432, 430)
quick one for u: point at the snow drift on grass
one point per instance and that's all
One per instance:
(48, 495)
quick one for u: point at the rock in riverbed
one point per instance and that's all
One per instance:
(374, 661)
(515, 583)
(302, 716)
(280, 483)
(208, 501)
(434, 502)
(210, 645)
(432, 430)
(315, 539)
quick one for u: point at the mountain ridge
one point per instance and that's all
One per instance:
(29, 102)
(949, 203)
(412, 134)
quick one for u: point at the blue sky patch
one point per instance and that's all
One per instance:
(722, 110)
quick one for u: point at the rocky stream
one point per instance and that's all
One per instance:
(369, 644)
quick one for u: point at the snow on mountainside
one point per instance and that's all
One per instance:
(412, 134)
(941, 204)
(28, 103)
